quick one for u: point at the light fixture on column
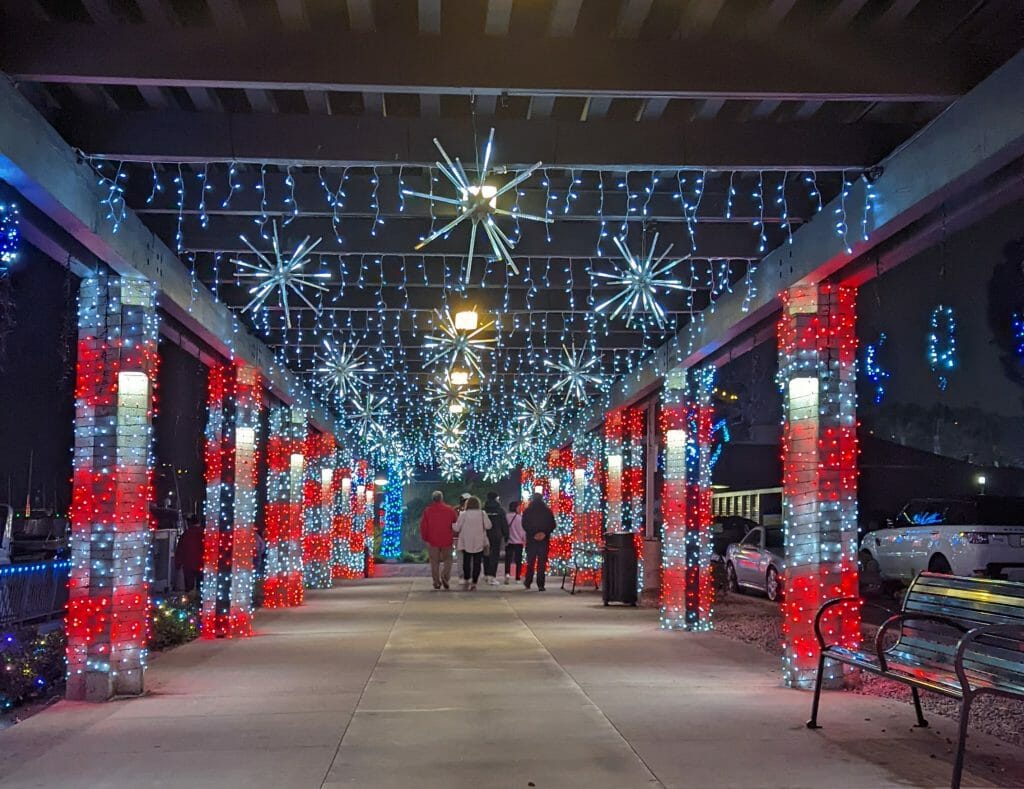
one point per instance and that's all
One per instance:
(326, 476)
(380, 482)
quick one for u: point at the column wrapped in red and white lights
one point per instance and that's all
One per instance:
(687, 589)
(234, 406)
(817, 373)
(283, 531)
(588, 518)
(360, 546)
(108, 599)
(624, 477)
(316, 515)
(344, 563)
(561, 490)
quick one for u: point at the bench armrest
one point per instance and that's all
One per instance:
(834, 602)
(910, 617)
(973, 635)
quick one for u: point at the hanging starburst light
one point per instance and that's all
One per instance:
(367, 416)
(479, 203)
(446, 394)
(285, 273)
(578, 372)
(536, 415)
(640, 282)
(449, 429)
(343, 368)
(456, 346)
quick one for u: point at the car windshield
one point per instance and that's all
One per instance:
(775, 539)
(980, 511)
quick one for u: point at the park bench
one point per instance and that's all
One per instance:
(960, 637)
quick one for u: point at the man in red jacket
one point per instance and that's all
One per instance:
(188, 554)
(436, 531)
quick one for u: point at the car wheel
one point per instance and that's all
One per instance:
(730, 578)
(940, 564)
(773, 585)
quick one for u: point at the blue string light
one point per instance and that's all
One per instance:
(942, 353)
(10, 237)
(873, 369)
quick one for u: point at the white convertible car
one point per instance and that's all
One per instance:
(974, 535)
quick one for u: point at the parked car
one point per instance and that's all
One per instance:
(758, 561)
(970, 535)
(725, 530)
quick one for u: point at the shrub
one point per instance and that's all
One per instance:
(175, 622)
(31, 665)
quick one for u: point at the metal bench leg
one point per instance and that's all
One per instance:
(922, 722)
(813, 722)
(958, 765)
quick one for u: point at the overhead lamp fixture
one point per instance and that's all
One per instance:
(380, 482)
(467, 320)
(487, 191)
(456, 408)
(459, 377)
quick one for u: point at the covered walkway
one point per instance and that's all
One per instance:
(389, 684)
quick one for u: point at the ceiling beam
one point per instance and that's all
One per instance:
(429, 12)
(568, 238)
(499, 16)
(51, 176)
(777, 68)
(313, 140)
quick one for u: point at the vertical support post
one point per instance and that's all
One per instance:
(361, 538)
(316, 528)
(613, 453)
(108, 589)
(687, 585)
(560, 485)
(588, 518)
(234, 404)
(393, 501)
(817, 372)
(344, 562)
(285, 465)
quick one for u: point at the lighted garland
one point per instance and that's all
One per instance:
(873, 369)
(391, 528)
(10, 237)
(942, 350)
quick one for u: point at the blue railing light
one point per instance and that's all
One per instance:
(18, 569)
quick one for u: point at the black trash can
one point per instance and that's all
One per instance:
(619, 575)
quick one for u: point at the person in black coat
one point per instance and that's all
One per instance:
(496, 534)
(538, 523)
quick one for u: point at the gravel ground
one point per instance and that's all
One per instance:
(756, 621)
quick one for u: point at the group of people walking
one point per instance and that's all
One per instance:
(479, 534)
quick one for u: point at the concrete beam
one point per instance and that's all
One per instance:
(784, 67)
(313, 140)
(50, 175)
(977, 137)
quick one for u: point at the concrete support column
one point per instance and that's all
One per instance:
(344, 563)
(560, 486)
(108, 598)
(285, 467)
(234, 406)
(363, 520)
(588, 519)
(817, 371)
(393, 501)
(316, 523)
(687, 589)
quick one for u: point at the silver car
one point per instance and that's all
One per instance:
(757, 562)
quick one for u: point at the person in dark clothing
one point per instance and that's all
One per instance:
(538, 523)
(188, 554)
(497, 533)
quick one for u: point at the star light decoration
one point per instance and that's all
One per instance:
(285, 273)
(455, 345)
(640, 282)
(478, 202)
(446, 395)
(536, 415)
(578, 372)
(367, 414)
(342, 369)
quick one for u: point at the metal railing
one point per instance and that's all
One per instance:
(31, 592)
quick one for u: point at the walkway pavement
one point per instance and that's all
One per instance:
(388, 684)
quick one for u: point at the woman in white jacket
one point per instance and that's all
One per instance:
(472, 527)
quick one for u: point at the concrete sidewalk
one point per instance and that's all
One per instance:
(387, 683)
